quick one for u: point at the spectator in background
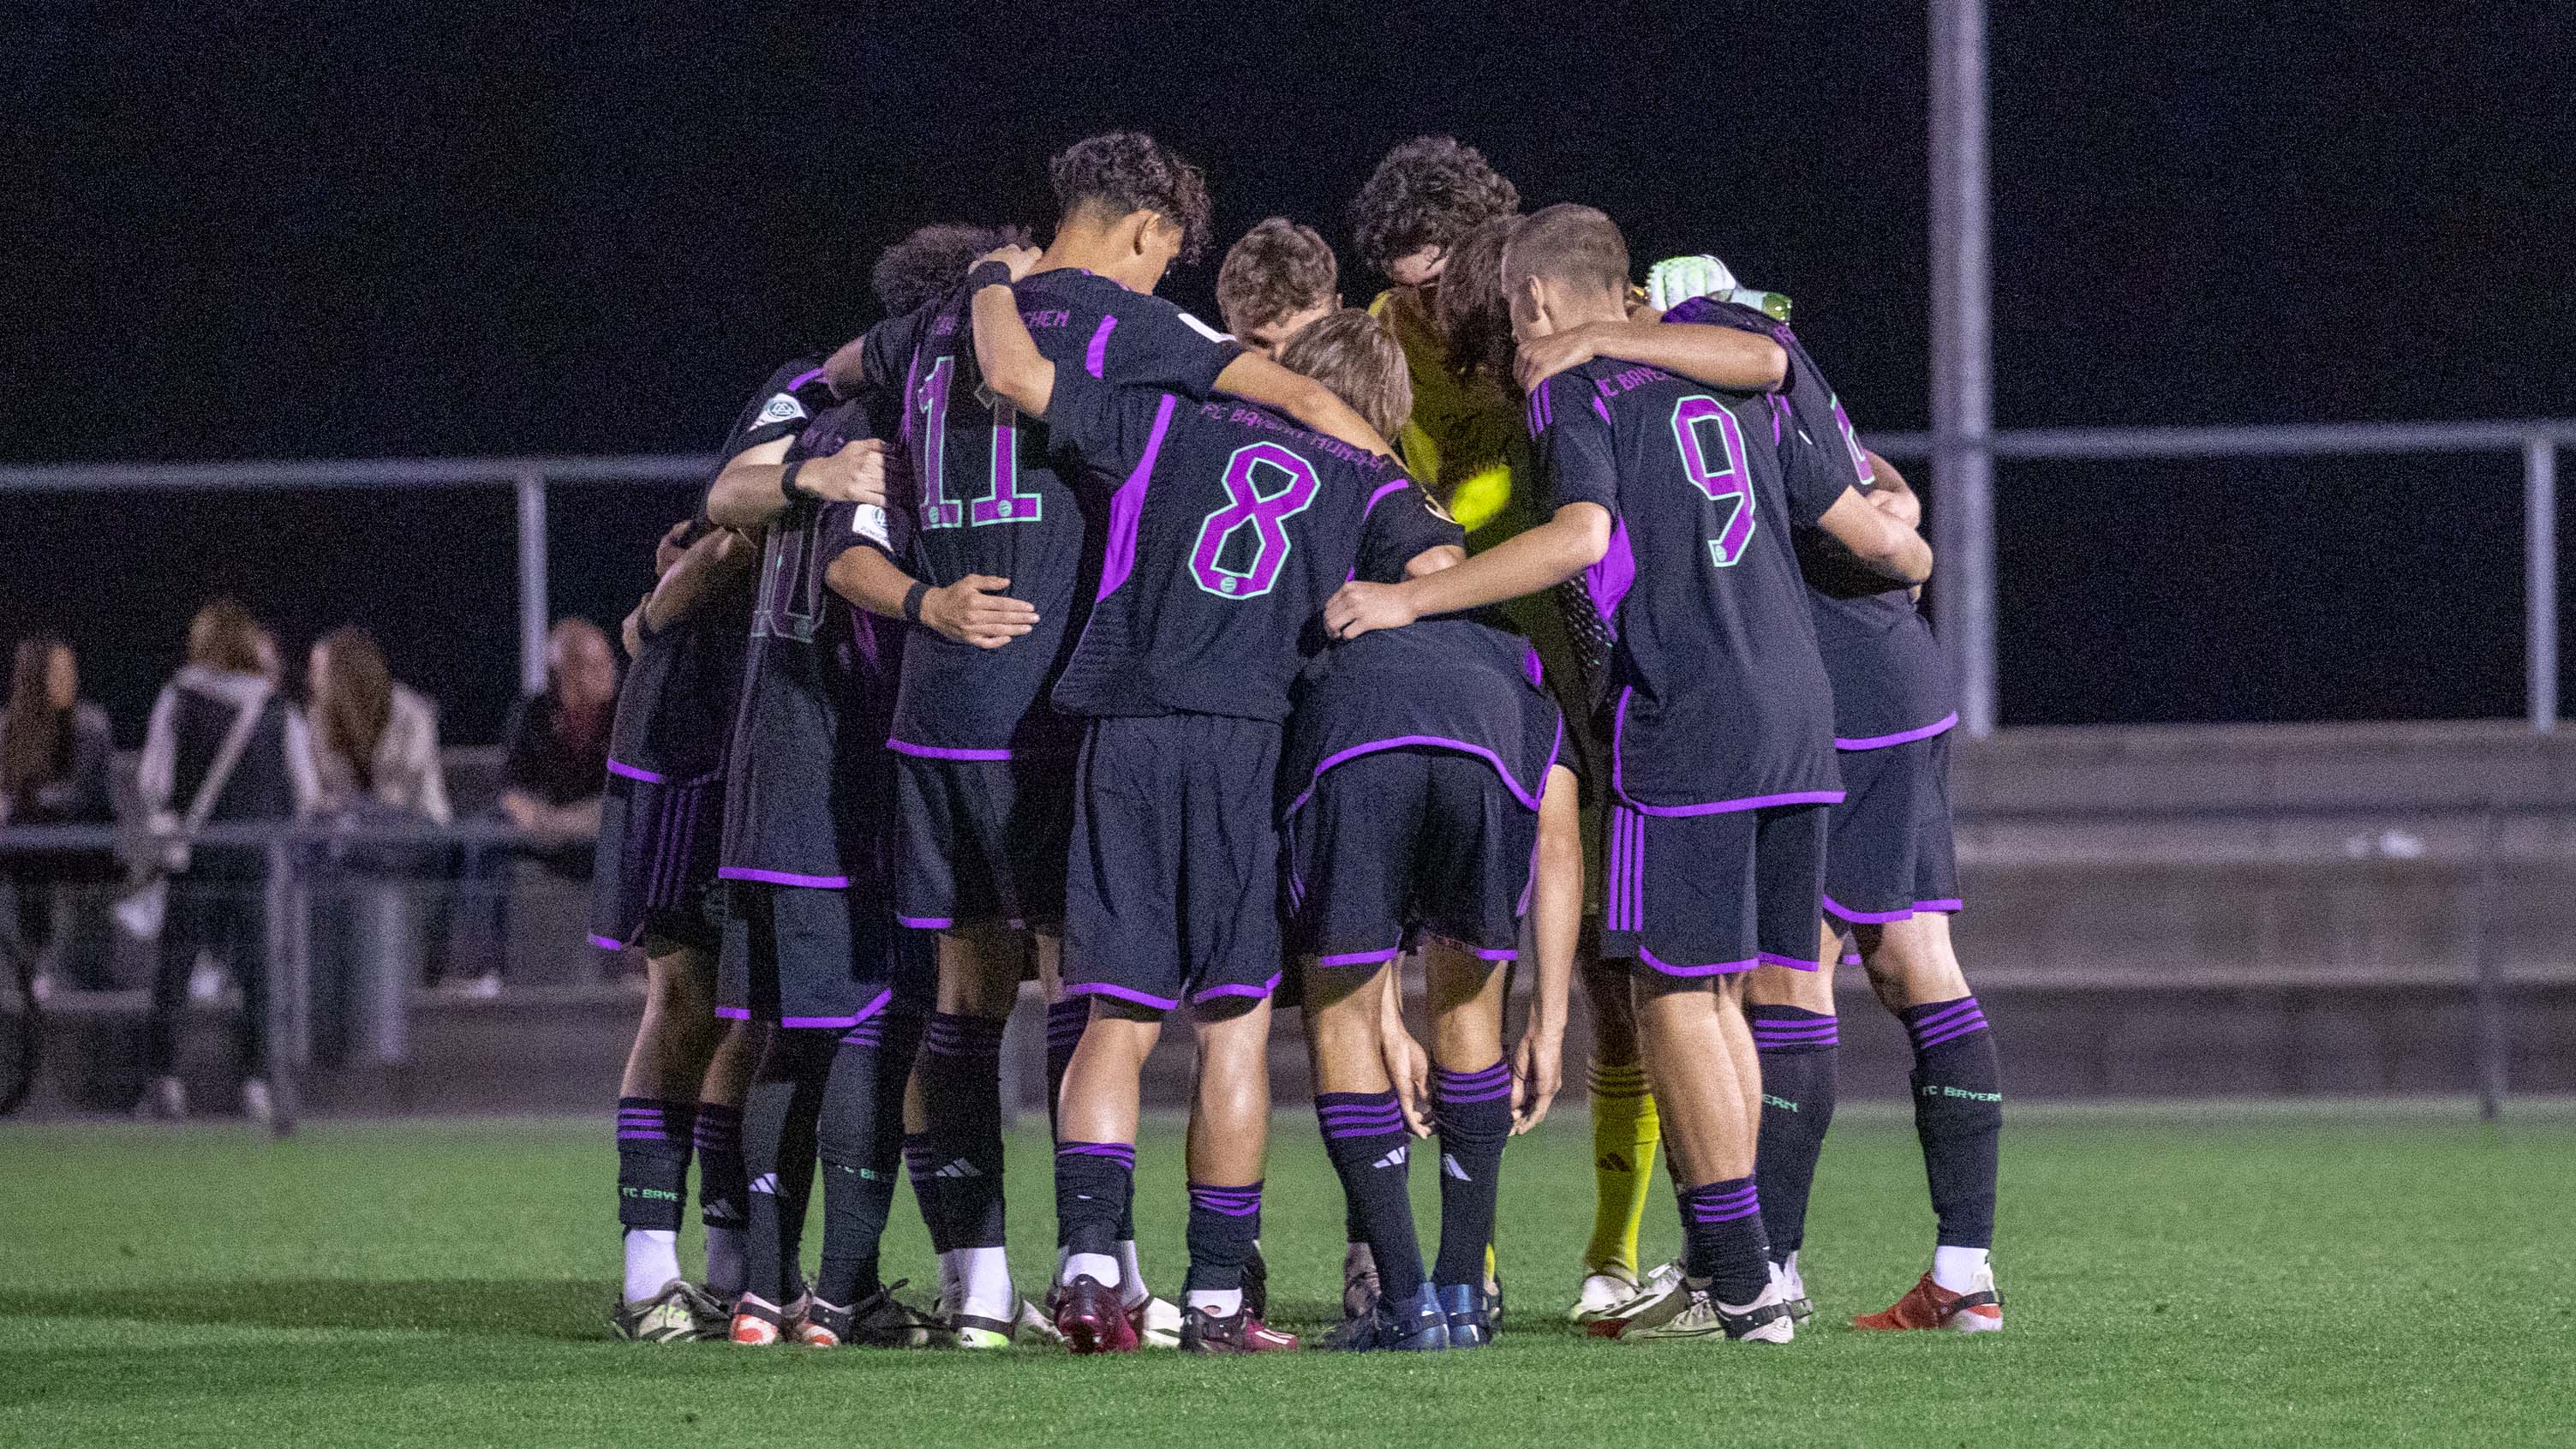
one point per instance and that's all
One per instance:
(554, 770)
(375, 741)
(54, 751)
(218, 894)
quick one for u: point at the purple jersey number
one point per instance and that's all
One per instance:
(1265, 513)
(1730, 483)
(1003, 502)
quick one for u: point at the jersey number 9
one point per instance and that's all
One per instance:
(1722, 473)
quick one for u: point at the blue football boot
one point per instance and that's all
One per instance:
(1471, 1322)
(1417, 1326)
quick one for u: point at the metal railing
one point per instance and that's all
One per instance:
(1964, 604)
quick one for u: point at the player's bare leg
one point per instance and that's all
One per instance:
(1095, 1171)
(1229, 1137)
(1692, 1034)
(1365, 1135)
(959, 1077)
(657, 1129)
(1958, 1115)
(1471, 1093)
(1791, 1013)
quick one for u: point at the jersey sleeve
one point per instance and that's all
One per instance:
(1108, 426)
(781, 409)
(885, 350)
(1823, 458)
(1402, 522)
(1571, 446)
(1143, 341)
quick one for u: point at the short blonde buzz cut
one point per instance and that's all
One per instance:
(1577, 247)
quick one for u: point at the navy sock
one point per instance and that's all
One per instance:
(1958, 1115)
(1475, 1114)
(1722, 1239)
(961, 1089)
(653, 1139)
(928, 1191)
(1799, 1049)
(1222, 1222)
(778, 1142)
(722, 1183)
(1065, 1021)
(1365, 1138)
(1093, 1181)
(858, 1142)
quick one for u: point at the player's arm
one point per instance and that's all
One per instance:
(758, 483)
(1556, 928)
(704, 567)
(1014, 370)
(1892, 494)
(972, 610)
(1725, 357)
(1256, 378)
(1874, 538)
(1575, 539)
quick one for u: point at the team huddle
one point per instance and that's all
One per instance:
(1044, 632)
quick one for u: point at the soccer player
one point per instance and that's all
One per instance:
(1722, 738)
(660, 829)
(1891, 879)
(1275, 280)
(984, 771)
(1424, 759)
(1228, 524)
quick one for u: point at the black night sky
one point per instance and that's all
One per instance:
(330, 230)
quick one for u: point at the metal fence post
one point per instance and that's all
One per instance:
(2488, 992)
(2540, 579)
(531, 488)
(1963, 594)
(284, 969)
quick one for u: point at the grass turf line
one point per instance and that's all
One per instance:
(2277, 1281)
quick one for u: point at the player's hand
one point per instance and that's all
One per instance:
(1358, 608)
(1675, 280)
(856, 474)
(1408, 1067)
(1012, 255)
(1541, 358)
(666, 554)
(974, 610)
(1538, 1072)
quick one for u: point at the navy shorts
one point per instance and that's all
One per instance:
(983, 840)
(811, 956)
(1407, 843)
(1888, 852)
(1709, 895)
(1173, 893)
(656, 863)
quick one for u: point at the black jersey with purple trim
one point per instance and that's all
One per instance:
(1230, 527)
(990, 493)
(1717, 698)
(1891, 681)
(1463, 682)
(808, 785)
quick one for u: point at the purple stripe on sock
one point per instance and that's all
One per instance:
(654, 1136)
(1338, 1114)
(1851, 958)
(1726, 1215)
(1935, 1015)
(1118, 1151)
(943, 752)
(1122, 993)
(1952, 1032)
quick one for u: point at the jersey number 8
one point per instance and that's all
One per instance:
(1729, 483)
(1266, 514)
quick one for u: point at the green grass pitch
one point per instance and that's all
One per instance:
(2179, 1278)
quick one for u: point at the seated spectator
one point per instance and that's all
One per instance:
(220, 733)
(554, 770)
(54, 752)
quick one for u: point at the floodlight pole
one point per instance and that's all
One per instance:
(1963, 471)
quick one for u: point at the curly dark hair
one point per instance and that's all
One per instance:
(1125, 172)
(1279, 267)
(928, 264)
(1473, 311)
(1427, 192)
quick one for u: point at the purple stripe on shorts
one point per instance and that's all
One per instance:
(1866, 918)
(1127, 510)
(1952, 903)
(1257, 993)
(1851, 958)
(1713, 968)
(606, 943)
(1482, 953)
(925, 923)
(1901, 737)
(943, 752)
(1360, 958)
(620, 767)
(1122, 993)
(1095, 358)
(1774, 958)
(785, 878)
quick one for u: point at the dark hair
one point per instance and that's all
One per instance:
(34, 735)
(1426, 193)
(1125, 172)
(1472, 310)
(1278, 268)
(1352, 353)
(224, 636)
(929, 264)
(353, 700)
(1575, 245)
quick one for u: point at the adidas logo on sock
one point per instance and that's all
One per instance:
(957, 1169)
(767, 1183)
(1449, 1165)
(1397, 1158)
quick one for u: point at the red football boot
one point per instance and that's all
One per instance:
(1091, 1318)
(1929, 1305)
(1203, 1332)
